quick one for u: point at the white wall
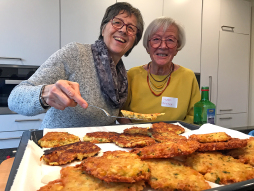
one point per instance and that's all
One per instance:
(251, 89)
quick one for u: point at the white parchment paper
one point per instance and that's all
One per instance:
(33, 173)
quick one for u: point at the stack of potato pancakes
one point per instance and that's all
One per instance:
(159, 158)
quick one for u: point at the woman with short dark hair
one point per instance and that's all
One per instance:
(81, 74)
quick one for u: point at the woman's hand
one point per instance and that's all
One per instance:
(63, 94)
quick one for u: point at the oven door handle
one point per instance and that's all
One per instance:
(13, 81)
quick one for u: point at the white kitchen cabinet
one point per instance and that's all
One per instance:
(189, 14)
(10, 139)
(235, 16)
(150, 9)
(12, 127)
(225, 58)
(234, 120)
(29, 32)
(81, 20)
(209, 46)
(233, 73)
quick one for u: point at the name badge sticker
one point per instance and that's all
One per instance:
(169, 102)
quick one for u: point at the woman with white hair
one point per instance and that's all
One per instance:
(161, 86)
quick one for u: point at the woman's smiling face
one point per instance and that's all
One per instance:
(163, 55)
(118, 41)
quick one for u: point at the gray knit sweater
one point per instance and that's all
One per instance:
(74, 62)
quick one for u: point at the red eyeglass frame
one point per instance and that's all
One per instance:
(124, 25)
(165, 43)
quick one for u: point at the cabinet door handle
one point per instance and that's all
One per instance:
(19, 130)
(210, 87)
(10, 138)
(225, 109)
(12, 81)
(23, 120)
(227, 28)
(12, 58)
(225, 117)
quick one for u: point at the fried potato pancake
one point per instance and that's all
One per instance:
(67, 153)
(75, 179)
(55, 185)
(167, 149)
(167, 136)
(231, 144)
(211, 137)
(56, 139)
(204, 162)
(119, 154)
(116, 169)
(162, 127)
(170, 174)
(84, 181)
(133, 140)
(100, 137)
(245, 154)
(145, 117)
(219, 168)
(137, 130)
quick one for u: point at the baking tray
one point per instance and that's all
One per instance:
(38, 134)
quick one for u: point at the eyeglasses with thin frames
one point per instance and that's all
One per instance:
(171, 42)
(119, 23)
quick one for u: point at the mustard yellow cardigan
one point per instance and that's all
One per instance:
(183, 85)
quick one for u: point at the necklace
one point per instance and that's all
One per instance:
(158, 80)
(152, 86)
(161, 86)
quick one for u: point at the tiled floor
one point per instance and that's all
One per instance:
(4, 153)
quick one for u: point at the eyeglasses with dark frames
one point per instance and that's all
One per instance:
(119, 23)
(171, 42)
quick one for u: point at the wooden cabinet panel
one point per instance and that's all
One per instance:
(233, 73)
(236, 14)
(188, 13)
(29, 31)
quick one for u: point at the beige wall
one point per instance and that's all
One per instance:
(251, 92)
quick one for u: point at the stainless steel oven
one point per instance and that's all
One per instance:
(10, 76)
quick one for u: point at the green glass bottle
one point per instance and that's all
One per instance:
(204, 110)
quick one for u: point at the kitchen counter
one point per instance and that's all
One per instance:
(5, 168)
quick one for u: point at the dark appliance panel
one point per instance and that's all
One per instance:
(10, 76)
